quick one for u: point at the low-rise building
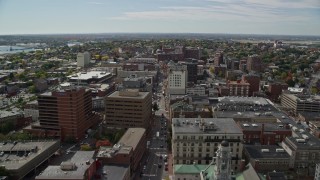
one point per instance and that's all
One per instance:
(117, 172)
(267, 158)
(304, 153)
(301, 103)
(81, 166)
(264, 133)
(129, 150)
(20, 158)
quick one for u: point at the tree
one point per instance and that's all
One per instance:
(7, 127)
(212, 70)
(155, 107)
(4, 171)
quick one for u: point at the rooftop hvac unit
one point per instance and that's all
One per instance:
(265, 150)
(301, 140)
(304, 136)
(279, 150)
(246, 125)
(67, 166)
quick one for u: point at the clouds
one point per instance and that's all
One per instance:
(242, 10)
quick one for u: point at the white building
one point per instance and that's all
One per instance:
(195, 140)
(177, 79)
(83, 59)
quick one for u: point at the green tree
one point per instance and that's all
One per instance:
(32, 89)
(7, 127)
(4, 171)
(155, 107)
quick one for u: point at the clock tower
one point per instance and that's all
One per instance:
(223, 162)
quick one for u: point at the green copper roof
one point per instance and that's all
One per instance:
(188, 168)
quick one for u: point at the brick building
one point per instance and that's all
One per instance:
(264, 133)
(275, 90)
(254, 63)
(254, 83)
(267, 158)
(65, 114)
(238, 88)
(129, 150)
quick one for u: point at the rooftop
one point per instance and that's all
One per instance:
(82, 161)
(267, 126)
(88, 75)
(132, 137)
(266, 152)
(4, 114)
(12, 160)
(189, 168)
(205, 125)
(115, 171)
(117, 94)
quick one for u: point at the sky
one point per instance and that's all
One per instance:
(280, 17)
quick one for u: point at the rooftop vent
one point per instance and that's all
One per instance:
(265, 150)
(67, 166)
(254, 125)
(279, 150)
(301, 140)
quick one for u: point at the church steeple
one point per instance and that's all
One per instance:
(223, 162)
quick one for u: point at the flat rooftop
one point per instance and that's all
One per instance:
(116, 94)
(267, 126)
(132, 137)
(12, 161)
(79, 159)
(89, 75)
(266, 152)
(115, 171)
(192, 125)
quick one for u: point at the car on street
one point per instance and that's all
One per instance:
(159, 165)
(161, 146)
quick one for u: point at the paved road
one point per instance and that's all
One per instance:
(154, 161)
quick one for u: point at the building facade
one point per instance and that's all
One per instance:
(177, 79)
(83, 59)
(254, 63)
(65, 114)
(254, 83)
(128, 108)
(301, 103)
(238, 88)
(196, 140)
(129, 150)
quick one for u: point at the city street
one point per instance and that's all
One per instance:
(154, 162)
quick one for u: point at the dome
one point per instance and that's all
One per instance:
(225, 143)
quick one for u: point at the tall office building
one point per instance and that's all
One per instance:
(254, 63)
(128, 108)
(254, 83)
(177, 79)
(83, 59)
(65, 113)
(192, 68)
(218, 58)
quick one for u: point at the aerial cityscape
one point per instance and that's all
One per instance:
(160, 90)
